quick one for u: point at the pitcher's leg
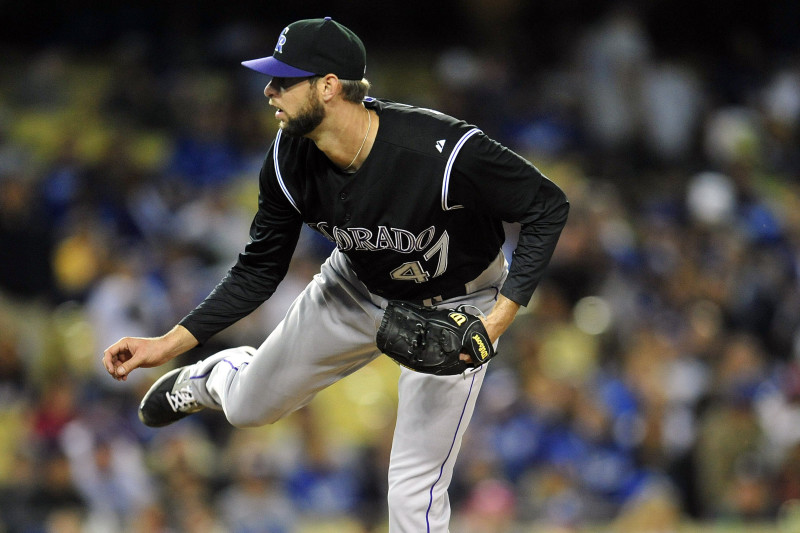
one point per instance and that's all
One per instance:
(328, 333)
(433, 414)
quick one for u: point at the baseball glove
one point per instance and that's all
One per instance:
(429, 340)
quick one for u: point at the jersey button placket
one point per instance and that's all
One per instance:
(343, 197)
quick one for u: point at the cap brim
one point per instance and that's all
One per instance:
(272, 67)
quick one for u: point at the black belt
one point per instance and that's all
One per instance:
(446, 295)
(492, 269)
(487, 275)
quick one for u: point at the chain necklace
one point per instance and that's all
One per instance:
(369, 125)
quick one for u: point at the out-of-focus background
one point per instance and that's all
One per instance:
(653, 383)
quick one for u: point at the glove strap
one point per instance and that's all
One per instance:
(478, 344)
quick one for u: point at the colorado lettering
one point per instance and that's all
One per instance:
(384, 238)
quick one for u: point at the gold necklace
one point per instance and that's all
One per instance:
(369, 125)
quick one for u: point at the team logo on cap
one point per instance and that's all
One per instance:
(282, 40)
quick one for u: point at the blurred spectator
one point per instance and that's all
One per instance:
(672, 104)
(26, 243)
(54, 410)
(13, 376)
(732, 478)
(613, 59)
(107, 468)
(255, 500)
(318, 484)
(490, 508)
(53, 497)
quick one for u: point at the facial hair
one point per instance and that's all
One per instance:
(308, 117)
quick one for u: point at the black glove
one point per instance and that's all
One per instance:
(429, 340)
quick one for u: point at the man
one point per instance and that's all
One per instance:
(414, 201)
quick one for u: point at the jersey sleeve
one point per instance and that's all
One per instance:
(260, 267)
(490, 177)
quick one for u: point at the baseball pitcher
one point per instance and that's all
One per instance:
(414, 201)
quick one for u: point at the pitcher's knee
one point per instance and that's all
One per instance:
(241, 422)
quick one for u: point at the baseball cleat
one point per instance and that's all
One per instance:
(170, 398)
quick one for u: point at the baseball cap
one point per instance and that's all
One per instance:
(314, 46)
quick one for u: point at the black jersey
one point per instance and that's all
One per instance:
(420, 218)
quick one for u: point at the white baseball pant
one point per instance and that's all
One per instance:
(328, 333)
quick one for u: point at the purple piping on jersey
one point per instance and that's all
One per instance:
(449, 452)
(449, 168)
(278, 171)
(209, 372)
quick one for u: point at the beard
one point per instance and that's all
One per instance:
(308, 118)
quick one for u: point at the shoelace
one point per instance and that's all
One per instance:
(181, 400)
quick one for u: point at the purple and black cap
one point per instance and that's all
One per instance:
(314, 47)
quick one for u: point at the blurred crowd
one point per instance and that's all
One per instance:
(654, 379)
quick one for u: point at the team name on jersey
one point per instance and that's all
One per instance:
(383, 238)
